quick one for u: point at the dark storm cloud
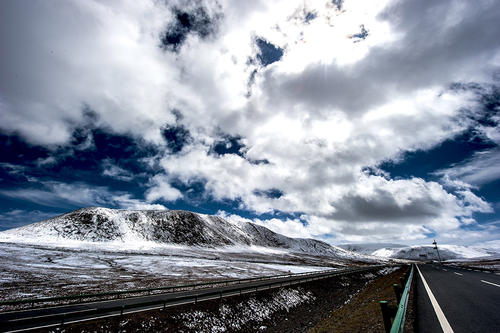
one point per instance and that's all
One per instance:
(383, 206)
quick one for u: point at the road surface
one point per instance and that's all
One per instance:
(457, 300)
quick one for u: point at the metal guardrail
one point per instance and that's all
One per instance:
(60, 319)
(164, 289)
(148, 290)
(398, 313)
(399, 320)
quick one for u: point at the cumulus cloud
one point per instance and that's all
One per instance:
(161, 189)
(310, 125)
(288, 227)
(63, 57)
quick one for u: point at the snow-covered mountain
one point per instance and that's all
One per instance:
(447, 252)
(170, 227)
(368, 248)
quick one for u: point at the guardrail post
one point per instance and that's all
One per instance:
(388, 312)
(62, 321)
(398, 290)
(396, 313)
(121, 311)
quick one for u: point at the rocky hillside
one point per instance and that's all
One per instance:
(98, 224)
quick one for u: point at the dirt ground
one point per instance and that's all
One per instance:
(362, 313)
(488, 265)
(341, 304)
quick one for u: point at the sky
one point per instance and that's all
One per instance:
(346, 121)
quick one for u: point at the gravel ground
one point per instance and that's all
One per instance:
(362, 313)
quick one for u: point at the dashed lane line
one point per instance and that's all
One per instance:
(459, 273)
(445, 325)
(493, 284)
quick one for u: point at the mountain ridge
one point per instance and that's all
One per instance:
(168, 227)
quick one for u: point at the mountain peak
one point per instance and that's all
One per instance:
(162, 227)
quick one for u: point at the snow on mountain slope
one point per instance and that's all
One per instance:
(446, 252)
(368, 248)
(132, 228)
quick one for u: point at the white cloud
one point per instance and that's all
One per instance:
(327, 110)
(58, 194)
(482, 168)
(161, 189)
(63, 56)
(116, 172)
(288, 227)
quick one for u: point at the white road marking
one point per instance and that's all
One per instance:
(493, 284)
(497, 273)
(459, 273)
(445, 270)
(445, 325)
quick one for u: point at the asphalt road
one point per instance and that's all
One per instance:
(469, 300)
(46, 317)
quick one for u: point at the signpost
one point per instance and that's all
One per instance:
(436, 247)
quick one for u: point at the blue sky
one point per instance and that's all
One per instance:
(344, 121)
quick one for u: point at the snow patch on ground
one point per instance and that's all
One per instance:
(233, 318)
(388, 270)
(32, 271)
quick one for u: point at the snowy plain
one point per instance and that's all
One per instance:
(29, 270)
(99, 249)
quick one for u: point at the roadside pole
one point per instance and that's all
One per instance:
(436, 247)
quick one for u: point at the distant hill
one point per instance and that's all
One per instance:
(426, 252)
(368, 248)
(173, 227)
